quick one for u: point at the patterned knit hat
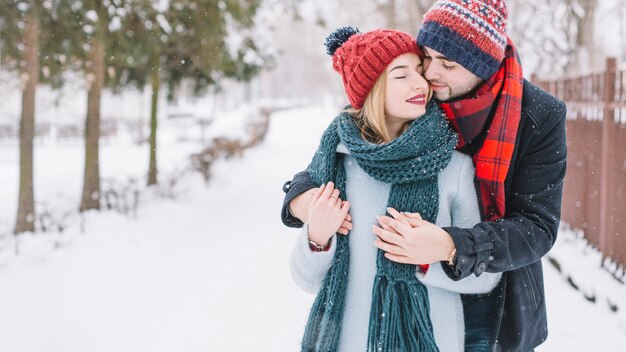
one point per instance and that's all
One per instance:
(469, 32)
(360, 58)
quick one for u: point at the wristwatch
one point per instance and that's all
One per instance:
(319, 248)
(452, 258)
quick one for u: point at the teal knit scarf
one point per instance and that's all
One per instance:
(399, 315)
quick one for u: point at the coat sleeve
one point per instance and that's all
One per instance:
(533, 207)
(464, 213)
(435, 276)
(309, 268)
(301, 183)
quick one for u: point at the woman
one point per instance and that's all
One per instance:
(392, 151)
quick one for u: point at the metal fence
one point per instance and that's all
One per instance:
(594, 197)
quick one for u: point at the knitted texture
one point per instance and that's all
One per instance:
(399, 315)
(469, 32)
(360, 58)
(499, 97)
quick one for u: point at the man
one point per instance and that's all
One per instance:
(515, 133)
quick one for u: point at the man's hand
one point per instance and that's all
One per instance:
(299, 207)
(408, 239)
(327, 213)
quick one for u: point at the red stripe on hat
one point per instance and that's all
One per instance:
(459, 25)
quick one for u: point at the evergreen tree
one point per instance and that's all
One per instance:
(197, 49)
(27, 16)
(139, 47)
(96, 33)
(28, 48)
(185, 42)
(86, 35)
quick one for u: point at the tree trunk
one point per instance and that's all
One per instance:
(587, 48)
(30, 77)
(389, 12)
(583, 59)
(152, 170)
(415, 11)
(95, 82)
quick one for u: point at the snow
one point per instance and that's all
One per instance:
(574, 323)
(206, 270)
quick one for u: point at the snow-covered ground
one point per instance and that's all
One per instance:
(207, 270)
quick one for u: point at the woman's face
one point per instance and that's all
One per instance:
(407, 91)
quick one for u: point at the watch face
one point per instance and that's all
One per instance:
(317, 248)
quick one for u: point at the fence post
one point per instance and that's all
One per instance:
(608, 98)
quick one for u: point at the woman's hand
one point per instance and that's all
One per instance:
(299, 207)
(408, 239)
(327, 214)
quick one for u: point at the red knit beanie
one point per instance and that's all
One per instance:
(360, 58)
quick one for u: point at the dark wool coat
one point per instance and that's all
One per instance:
(513, 245)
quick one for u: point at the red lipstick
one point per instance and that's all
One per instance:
(419, 99)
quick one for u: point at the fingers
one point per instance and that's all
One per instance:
(388, 236)
(401, 228)
(388, 228)
(345, 228)
(346, 225)
(398, 216)
(318, 194)
(411, 219)
(328, 190)
(345, 206)
(415, 216)
(398, 258)
(388, 247)
(415, 222)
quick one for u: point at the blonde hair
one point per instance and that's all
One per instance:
(370, 118)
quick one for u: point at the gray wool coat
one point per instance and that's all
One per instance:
(458, 206)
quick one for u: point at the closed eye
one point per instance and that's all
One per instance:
(447, 66)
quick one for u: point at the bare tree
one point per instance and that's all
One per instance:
(415, 10)
(388, 9)
(582, 16)
(30, 79)
(95, 82)
(620, 10)
(155, 82)
(404, 15)
(555, 37)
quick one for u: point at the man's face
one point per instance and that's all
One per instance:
(448, 79)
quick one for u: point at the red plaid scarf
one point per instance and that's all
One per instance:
(469, 117)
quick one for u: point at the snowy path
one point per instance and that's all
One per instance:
(206, 272)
